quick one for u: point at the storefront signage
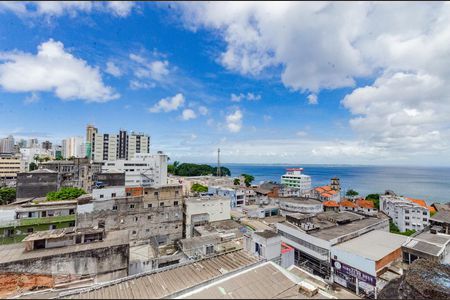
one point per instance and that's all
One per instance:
(346, 269)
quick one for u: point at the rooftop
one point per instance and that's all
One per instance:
(203, 199)
(426, 242)
(16, 252)
(300, 200)
(267, 234)
(442, 216)
(219, 227)
(164, 283)
(265, 281)
(373, 245)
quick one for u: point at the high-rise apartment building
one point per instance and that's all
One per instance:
(7, 145)
(109, 147)
(73, 146)
(91, 131)
(33, 143)
(47, 145)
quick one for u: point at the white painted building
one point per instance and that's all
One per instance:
(406, 214)
(28, 155)
(199, 211)
(264, 244)
(142, 170)
(358, 263)
(108, 193)
(295, 179)
(299, 205)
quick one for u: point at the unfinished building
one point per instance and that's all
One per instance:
(155, 216)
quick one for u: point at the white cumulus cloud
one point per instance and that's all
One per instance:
(203, 110)
(168, 104)
(234, 121)
(188, 114)
(241, 96)
(312, 99)
(53, 69)
(113, 69)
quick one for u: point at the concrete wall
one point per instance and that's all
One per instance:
(37, 184)
(111, 260)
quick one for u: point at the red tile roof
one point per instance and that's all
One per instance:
(365, 203)
(330, 204)
(347, 203)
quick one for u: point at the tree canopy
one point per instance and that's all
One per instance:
(375, 198)
(198, 188)
(33, 166)
(248, 179)
(352, 192)
(7, 195)
(188, 169)
(236, 181)
(65, 193)
(394, 229)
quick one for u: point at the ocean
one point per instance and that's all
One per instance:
(429, 183)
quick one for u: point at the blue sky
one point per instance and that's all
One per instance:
(307, 89)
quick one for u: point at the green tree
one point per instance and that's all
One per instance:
(236, 181)
(172, 169)
(33, 166)
(65, 193)
(351, 193)
(198, 188)
(394, 229)
(7, 195)
(248, 179)
(375, 198)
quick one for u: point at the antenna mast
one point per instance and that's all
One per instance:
(218, 163)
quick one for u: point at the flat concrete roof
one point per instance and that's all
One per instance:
(16, 252)
(342, 230)
(373, 245)
(267, 234)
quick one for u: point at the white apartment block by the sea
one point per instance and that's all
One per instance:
(406, 214)
(141, 170)
(295, 179)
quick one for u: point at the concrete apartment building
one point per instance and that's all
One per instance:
(141, 169)
(34, 217)
(10, 166)
(110, 147)
(198, 211)
(312, 236)
(7, 144)
(79, 172)
(153, 215)
(295, 179)
(406, 214)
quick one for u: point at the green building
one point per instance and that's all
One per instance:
(33, 217)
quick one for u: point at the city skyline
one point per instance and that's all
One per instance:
(328, 85)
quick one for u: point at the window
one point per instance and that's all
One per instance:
(52, 227)
(114, 207)
(101, 224)
(134, 232)
(101, 196)
(425, 219)
(135, 219)
(176, 192)
(161, 203)
(30, 230)
(406, 218)
(425, 213)
(156, 193)
(146, 192)
(149, 217)
(147, 230)
(128, 194)
(407, 223)
(71, 211)
(406, 211)
(149, 205)
(113, 195)
(131, 206)
(175, 203)
(71, 224)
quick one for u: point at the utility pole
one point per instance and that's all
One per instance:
(218, 163)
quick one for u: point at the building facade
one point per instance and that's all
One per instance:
(10, 165)
(73, 147)
(407, 215)
(198, 211)
(154, 215)
(7, 144)
(141, 170)
(295, 179)
(111, 147)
